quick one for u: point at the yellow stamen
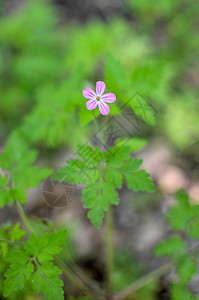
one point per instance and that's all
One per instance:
(97, 98)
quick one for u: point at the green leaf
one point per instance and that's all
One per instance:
(83, 169)
(16, 233)
(90, 157)
(18, 193)
(186, 268)
(17, 255)
(97, 197)
(23, 173)
(180, 292)
(4, 191)
(85, 115)
(46, 281)
(115, 157)
(32, 176)
(17, 275)
(120, 82)
(137, 180)
(132, 165)
(114, 177)
(9, 232)
(134, 144)
(46, 246)
(142, 109)
(40, 250)
(70, 174)
(181, 214)
(193, 228)
(172, 247)
(116, 78)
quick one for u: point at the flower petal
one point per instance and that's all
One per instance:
(88, 93)
(103, 108)
(109, 97)
(100, 87)
(91, 104)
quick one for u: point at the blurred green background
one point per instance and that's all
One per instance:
(50, 51)
(47, 58)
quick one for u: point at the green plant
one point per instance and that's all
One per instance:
(43, 68)
(179, 248)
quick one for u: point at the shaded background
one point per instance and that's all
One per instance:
(51, 50)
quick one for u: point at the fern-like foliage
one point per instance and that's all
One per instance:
(32, 262)
(19, 171)
(184, 219)
(104, 172)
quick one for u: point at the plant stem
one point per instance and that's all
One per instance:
(10, 241)
(86, 280)
(76, 280)
(99, 132)
(109, 251)
(142, 282)
(24, 218)
(95, 120)
(108, 221)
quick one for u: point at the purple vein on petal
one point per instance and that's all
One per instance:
(109, 97)
(88, 93)
(91, 104)
(104, 108)
(100, 87)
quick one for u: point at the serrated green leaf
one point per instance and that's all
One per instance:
(9, 233)
(46, 281)
(186, 268)
(30, 176)
(97, 197)
(23, 173)
(142, 108)
(172, 247)
(70, 174)
(193, 228)
(114, 177)
(46, 246)
(16, 233)
(83, 170)
(181, 214)
(5, 196)
(116, 78)
(137, 180)
(18, 193)
(17, 255)
(16, 276)
(132, 165)
(135, 144)
(180, 292)
(91, 157)
(115, 157)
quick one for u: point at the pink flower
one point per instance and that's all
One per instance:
(98, 99)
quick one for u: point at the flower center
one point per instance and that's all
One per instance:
(97, 98)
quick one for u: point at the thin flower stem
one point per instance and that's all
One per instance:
(76, 280)
(108, 222)
(98, 130)
(142, 282)
(87, 281)
(109, 251)
(66, 270)
(24, 218)
(10, 241)
(95, 120)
